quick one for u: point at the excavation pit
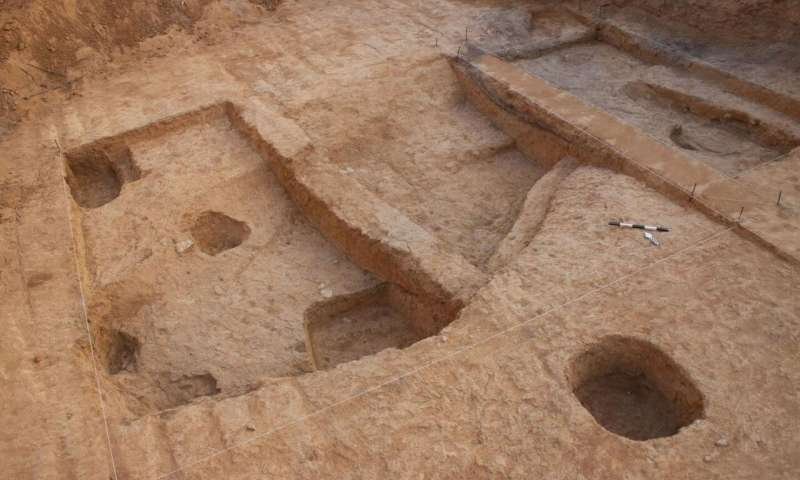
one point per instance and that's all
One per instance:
(215, 232)
(350, 327)
(208, 243)
(122, 352)
(96, 174)
(633, 389)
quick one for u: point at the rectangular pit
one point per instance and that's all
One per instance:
(614, 81)
(198, 268)
(349, 327)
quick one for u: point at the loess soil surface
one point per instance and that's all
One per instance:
(370, 239)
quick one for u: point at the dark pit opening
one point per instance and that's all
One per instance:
(122, 352)
(96, 174)
(633, 389)
(680, 139)
(216, 232)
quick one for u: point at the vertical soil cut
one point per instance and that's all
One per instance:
(350, 327)
(96, 174)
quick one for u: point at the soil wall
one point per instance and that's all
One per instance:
(736, 19)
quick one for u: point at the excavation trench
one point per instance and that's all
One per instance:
(613, 70)
(196, 229)
(349, 327)
(177, 263)
(620, 84)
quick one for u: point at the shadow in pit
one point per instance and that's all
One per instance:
(97, 174)
(349, 327)
(634, 389)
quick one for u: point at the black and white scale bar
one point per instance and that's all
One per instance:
(654, 228)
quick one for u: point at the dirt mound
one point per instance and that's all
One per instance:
(51, 33)
(48, 44)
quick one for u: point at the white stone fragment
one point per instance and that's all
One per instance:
(183, 246)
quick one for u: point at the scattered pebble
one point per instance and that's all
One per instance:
(326, 292)
(722, 442)
(250, 427)
(708, 458)
(218, 290)
(443, 338)
(183, 246)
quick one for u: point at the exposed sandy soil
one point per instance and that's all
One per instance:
(733, 20)
(197, 237)
(614, 81)
(371, 240)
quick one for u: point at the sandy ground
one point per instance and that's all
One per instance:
(608, 78)
(231, 253)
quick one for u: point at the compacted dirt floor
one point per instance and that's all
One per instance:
(370, 239)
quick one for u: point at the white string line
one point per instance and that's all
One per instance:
(85, 316)
(487, 339)
(447, 356)
(754, 203)
(607, 285)
(468, 347)
(738, 178)
(545, 261)
(456, 352)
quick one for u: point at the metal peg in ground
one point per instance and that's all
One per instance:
(654, 228)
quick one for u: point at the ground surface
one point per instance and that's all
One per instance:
(266, 248)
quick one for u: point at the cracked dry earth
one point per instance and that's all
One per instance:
(370, 240)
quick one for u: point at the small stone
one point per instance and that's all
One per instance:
(218, 290)
(708, 458)
(326, 292)
(183, 246)
(250, 427)
(443, 339)
(722, 442)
